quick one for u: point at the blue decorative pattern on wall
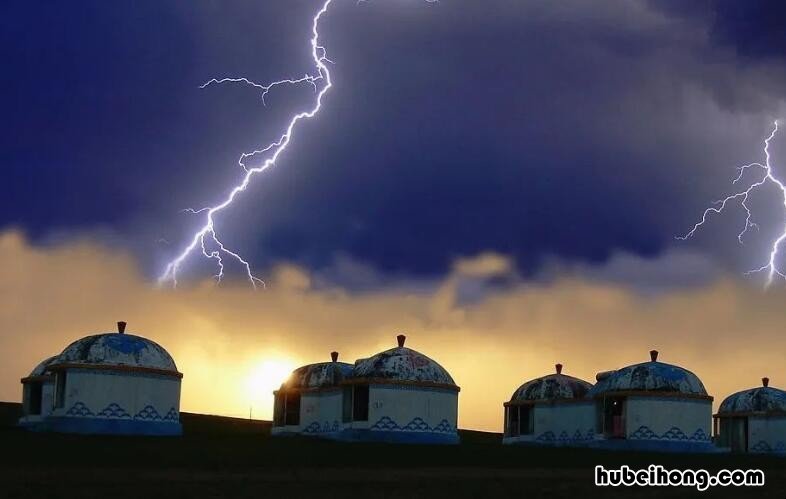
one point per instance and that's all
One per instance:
(172, 415)
(148, 413)
(385, 423)
(564, 437)
(417, 424)
(114, 410)
(763, 446)
(313, 428)
(547, 436)
(325, 427)
(79, 409)
(674, 433)
(443, 427)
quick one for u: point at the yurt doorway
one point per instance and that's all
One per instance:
(520, 420)
(614, 417)
(35, 394)
(736, 430)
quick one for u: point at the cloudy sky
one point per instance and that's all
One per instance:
(503, 180)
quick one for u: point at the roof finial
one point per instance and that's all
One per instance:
(334, 356)
(765, 382)
(559, 368)
(654, 355)
(121, 327)
(401, 339)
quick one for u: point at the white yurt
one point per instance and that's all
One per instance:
(400, 395)
(552, 410)
(652, 406)
(753, 421)
(110, 383)
(311, 401)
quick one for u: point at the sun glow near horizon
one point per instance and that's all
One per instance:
(265, 376)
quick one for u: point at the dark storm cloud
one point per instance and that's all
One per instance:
(545, 131)
(753, 29)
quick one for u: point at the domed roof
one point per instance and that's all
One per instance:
(650, 376)
(402, 364)
(319, 375)
(41, 368)
(552, 387)
(761, 399)
(118, 349)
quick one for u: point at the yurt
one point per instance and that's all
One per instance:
(110, 383)
(652, 406)
(311, 400)
(552, 410)
(400, 395)
(753, 421)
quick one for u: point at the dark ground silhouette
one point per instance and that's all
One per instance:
(227, 457)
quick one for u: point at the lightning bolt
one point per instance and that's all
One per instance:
(206, 240)
(766, 176)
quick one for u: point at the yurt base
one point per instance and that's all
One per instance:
(380, 437)
(104, 427)
(656, 446)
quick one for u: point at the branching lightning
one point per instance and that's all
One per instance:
(206, 239)
(766, 176)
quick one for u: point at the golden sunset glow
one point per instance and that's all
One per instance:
(235, 346)
(266, 376)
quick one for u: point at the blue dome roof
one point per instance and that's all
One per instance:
(320, 375)
(651, 376)
(552, 387)
(117, 349)
(402, 364)
(761, 399)
(41, 368)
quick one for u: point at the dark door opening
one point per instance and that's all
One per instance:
(346, 404)
(513, 421)
(34, 399)
(526, 423)
(292, 409)
(739, 434)
(360, 403)
(278, 409)
(614, 417)
(520, 420)
(60, 389)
